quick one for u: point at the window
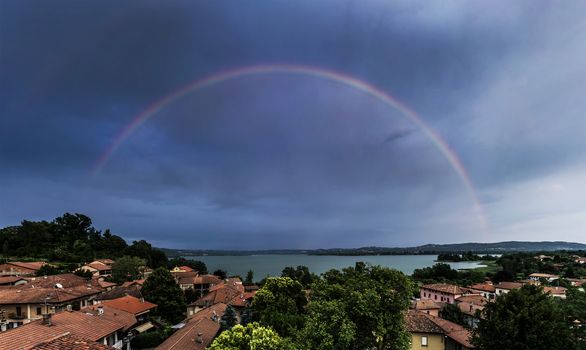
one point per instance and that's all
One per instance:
(18, 311)
(435, 297)
(39, 311)
(423, 341)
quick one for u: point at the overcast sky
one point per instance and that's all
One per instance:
(291, 160)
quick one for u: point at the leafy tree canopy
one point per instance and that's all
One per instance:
(523, 319)
(250, 337)
(127, 268)
(160, 288)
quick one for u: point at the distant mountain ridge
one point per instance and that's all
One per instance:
(486, 248)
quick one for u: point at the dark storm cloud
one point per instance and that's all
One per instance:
(291, 161)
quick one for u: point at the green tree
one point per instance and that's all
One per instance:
(47, 270)
(300, 274)
(575, 312)
(154, 257)
(160, 288)
(127, 268)
(250, 337)
(327, 327)
(375, 299)
(197, 265)
(280, 304)
(221, 274)
(229, 318)
(249, 278)
(523, 319)
(452, 312)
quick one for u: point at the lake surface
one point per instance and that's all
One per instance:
(272, 265)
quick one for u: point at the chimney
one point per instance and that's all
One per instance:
(199, 338)
(100, 310)
(69, 308)
(47, 319)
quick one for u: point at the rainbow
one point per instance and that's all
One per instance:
(330, 75)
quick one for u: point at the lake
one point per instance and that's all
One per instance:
(272, 265)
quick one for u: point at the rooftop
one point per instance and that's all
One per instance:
(205, 322)
(444, 288)
(68, 341)
(130, 304)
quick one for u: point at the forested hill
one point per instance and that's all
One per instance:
(490, 248)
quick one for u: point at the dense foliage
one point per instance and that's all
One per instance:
(70, 237)
(523, 319)
(160, 288)
(374, 298)
(127, 268)
(443, 273)
(300, 274)
(250, 337)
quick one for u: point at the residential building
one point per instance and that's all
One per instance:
(84, 325)
(505, 287)
(12, 281)
(182, 269)
(486, 289)
(556, 292)
(425, 334)
(42, 295)
(140, 308)
(427, 306)
(580, 260)
(18, 268)
(198, 332)
(446, 293)
(100, 267)
(231, 292)
(470, 305)
(456, 336)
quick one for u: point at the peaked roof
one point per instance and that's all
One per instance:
(127, 319)
(83, 325)
(205, 322)
(33, 265)
(130, 304)
(444, 288)
(417, 322)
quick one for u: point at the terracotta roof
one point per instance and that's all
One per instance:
(98, 266)
(106, 284)
(130, 304)
(34, 265)
(444, 288)
(126, 319)
(186, 268)
(207, 279)
(81, 324)
(227, 293)
(202, 322)
(69, 341)
(65, 279)
(509, 285)
(555, 290)
(424, 304)
(24, 294)
(452, 330)
(417, 322)
(473, 299)
(130, 283)
(105, 261)
(485, 287)
(119, 292)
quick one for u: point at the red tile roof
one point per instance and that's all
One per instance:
(69, 341)
(130, 304)
(424, 304)
(205, 322)
(417, 322)
(509, 285)
(126, 319)
(227, 293)
(98, 266)
(452, 330)
(444, 288)
(10, 280)
(485, 287)
(86, 326)
(34, 265)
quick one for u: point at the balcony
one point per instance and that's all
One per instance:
(14, 316)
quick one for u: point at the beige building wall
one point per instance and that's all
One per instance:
(434, 341)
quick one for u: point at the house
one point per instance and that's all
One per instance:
(100, 267)
(575, 282)
(198, 332)
(427, 306)
(133, 289)
(231, 292)
(580, 260)
(487, 290)
(456, 336)
(195, 281)
(505, 287)
(537, 277)
(446, 293)
(138, 307)
(83, 325)
(556, 292)
(425, 334)
(470, 305)
(48, 294)
(544, 257)
(17, 268)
